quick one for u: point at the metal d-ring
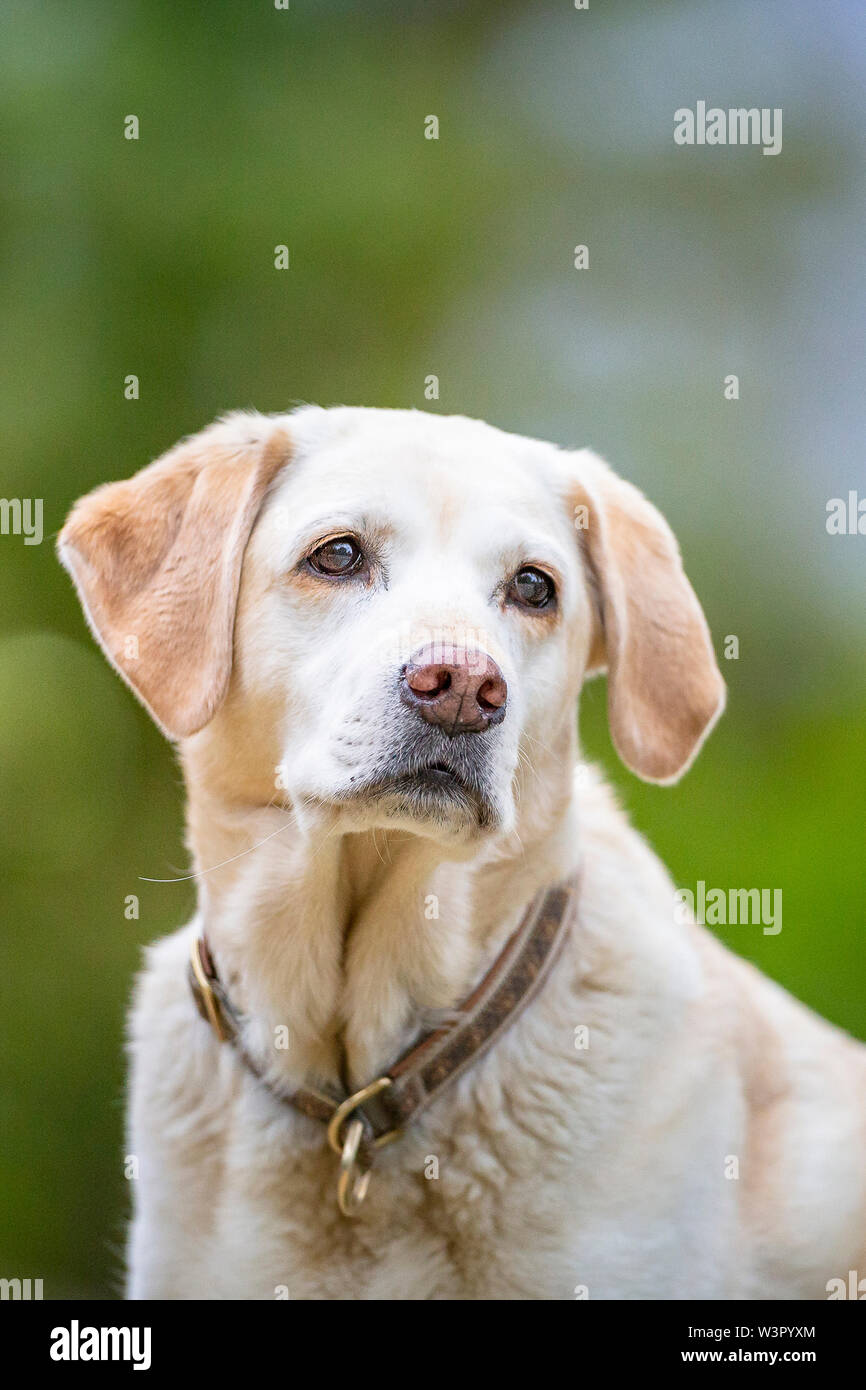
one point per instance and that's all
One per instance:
(351, 1184)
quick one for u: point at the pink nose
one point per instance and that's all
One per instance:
(462, 692)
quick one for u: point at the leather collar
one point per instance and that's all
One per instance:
(361, 1123)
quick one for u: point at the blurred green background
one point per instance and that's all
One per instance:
(412, 257)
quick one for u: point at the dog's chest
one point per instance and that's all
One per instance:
(472, 1202)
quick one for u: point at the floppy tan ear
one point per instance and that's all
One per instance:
(665, 691)
(157, 561)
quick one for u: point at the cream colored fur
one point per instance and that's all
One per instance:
(549, 1171)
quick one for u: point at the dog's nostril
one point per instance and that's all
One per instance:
(491, 695)
(428, 681)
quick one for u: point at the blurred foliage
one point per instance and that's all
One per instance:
(410, 257)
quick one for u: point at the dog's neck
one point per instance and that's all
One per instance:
(340, 947)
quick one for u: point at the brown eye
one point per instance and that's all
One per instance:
(337, 557)
(532, 588)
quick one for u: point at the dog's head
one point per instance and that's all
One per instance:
(390, 614)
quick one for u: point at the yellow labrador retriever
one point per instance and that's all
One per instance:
(420, 919)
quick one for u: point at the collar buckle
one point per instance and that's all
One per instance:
(207, 1000)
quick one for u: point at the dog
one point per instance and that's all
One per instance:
(366, 631)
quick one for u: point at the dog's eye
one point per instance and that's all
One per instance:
(340, 556)
(532, 588)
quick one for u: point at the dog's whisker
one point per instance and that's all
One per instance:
(200, 873)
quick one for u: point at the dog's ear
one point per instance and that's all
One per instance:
(157, 561)
(665, 691)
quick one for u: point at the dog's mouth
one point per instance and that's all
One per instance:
(436, 779)
(430, 789)
(438, 775)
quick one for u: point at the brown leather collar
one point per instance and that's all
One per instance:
(361, 1123)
